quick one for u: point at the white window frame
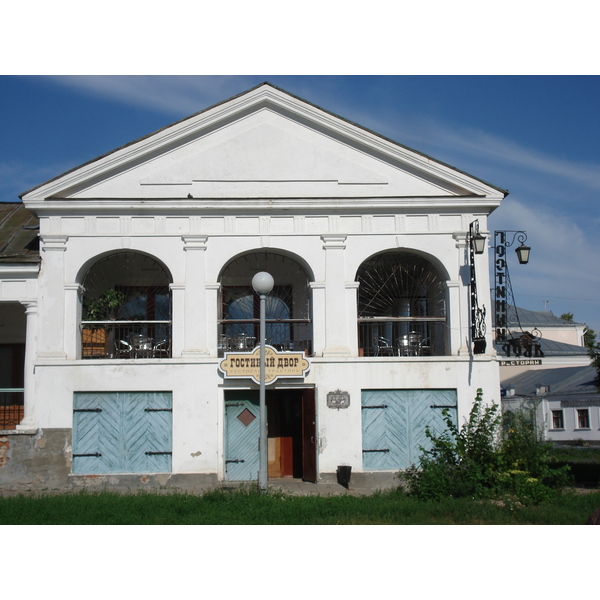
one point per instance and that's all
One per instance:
(562, 418)
(577, 426)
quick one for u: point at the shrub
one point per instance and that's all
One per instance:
(461, 462)
(489, 456)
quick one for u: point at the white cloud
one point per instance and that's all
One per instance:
(562, 268)
(178, 95)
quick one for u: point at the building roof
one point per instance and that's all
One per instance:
(553, 348)
(537, 318)
(561, 383)
(18, 234)
(265, 85)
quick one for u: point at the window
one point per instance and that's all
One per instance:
(401, 306)
(126, 310)
(558, 421)
(583, 418)
(287, 307)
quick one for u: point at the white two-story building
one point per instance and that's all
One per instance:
(143, 289)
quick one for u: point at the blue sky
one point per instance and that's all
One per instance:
(536, 136)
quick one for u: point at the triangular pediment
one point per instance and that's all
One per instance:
(262, 144)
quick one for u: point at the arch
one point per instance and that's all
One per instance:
(257, 252)
(91, 262)
(401, 305)
(126, 306)
(288, 306)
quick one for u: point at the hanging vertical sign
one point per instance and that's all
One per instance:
(524, 343)
(500, 285)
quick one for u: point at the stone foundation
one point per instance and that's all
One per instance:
(36, 459)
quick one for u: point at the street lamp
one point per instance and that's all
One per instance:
(523, 253)
(263, 284)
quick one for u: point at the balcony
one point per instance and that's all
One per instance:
(11, 407)
(284, 334)
(125, 339)
(388, 336)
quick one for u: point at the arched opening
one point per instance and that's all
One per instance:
(401, 306)
(288, 311)
(126, 308)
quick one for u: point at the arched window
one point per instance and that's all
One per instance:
(126, 309)
(401, 306)
(287, 307)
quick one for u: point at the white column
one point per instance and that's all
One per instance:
(31, 312)
(72, 293)
(456, 344)
(52, 298)
(177, 318)
(336, 334)
(352, 315)
(195, 343)
(212, 316)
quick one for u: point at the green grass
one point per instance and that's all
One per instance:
(247, 507)
(566, 454)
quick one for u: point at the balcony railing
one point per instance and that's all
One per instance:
(282, 334)
(11, 407)
(125, 339)
(401, 336)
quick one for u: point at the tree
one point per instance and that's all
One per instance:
(591, 343)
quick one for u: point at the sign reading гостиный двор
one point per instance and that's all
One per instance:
(246, 365)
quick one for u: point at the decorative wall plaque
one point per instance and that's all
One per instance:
(338, 399)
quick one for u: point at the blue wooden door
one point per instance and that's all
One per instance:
(394, 422)
(122, 432)
(242, 432)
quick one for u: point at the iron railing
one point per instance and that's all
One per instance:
(125, 339)
(283, 334)
(401, 336)
(11, 407)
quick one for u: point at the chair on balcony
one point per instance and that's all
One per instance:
(123, 349)
(162, 349)
(382, 347)
(224, 344)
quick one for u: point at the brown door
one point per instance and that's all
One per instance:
(309, 436)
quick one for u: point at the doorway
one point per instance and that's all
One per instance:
(291, 434)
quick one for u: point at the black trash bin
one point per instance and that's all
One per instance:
(343, 475)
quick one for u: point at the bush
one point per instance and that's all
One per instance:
(461, 462)
(489, 456)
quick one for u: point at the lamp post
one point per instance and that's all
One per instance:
(263, 284)
(503, 293)
(476, 246)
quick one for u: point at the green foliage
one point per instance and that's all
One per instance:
(591, 343)
(461, 462)
(490, 456)
(104, 306)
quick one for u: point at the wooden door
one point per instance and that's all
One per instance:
(394, 422)
(309, 435)
(129, 432)
(242, 433)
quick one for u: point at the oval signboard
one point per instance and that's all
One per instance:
(246, 365)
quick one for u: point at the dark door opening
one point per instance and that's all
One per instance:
(291, 434)
(291, 419)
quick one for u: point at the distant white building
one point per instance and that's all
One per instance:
(142, 288)
(566, 401)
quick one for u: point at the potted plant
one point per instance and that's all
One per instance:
(95, 339)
